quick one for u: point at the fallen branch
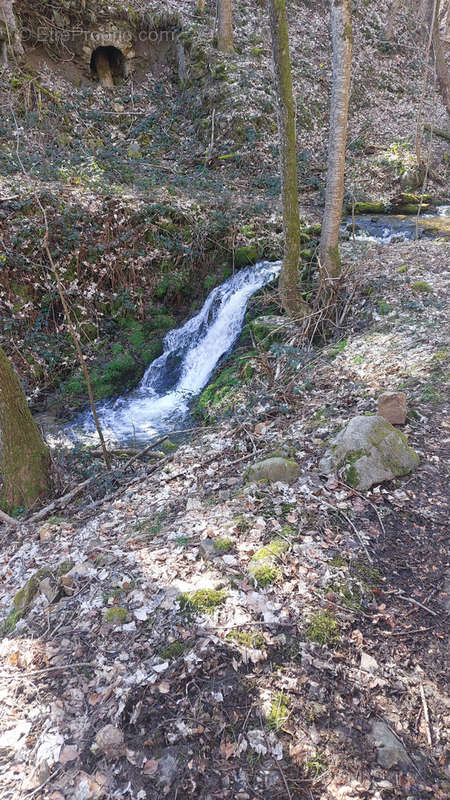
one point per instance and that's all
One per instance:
(8, 520)
(60, 502)
(437, 131)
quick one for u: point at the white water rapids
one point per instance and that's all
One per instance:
(161, 401)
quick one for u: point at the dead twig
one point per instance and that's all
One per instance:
(416, 603)
(360, 539)
(426, 715)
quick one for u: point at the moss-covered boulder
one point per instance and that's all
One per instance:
(367, 451)
(368, 207)
(246, 256)
(273, 470)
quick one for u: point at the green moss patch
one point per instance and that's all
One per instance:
(278, 714)
(116, 615)
(250, 639)
(422, 286)
(323, 629)
(223, 545)
(203, 601)
(263, 565)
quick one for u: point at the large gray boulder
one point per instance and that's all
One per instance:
(368, 450)
(274, 470)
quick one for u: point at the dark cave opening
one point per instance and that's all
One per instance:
(108, 65)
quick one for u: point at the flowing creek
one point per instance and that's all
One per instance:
(161, 402)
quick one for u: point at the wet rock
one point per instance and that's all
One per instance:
(392, 406)
(367, 451)
(274, 470)
(390, 751)
(109, 740)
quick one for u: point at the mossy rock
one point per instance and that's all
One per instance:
(369, 207)
(369, 450)
(23, 599)
(246, 256)
(273, 470)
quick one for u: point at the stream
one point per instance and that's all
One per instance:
(161, 402)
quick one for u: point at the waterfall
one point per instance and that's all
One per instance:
(161, 402)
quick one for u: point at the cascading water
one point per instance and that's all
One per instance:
(161, 401)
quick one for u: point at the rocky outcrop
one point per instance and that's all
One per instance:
(367, 451)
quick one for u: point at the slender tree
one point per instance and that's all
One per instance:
(225, 25)
(440, 62)
(341, 34)
(24, 458)
(291, 299)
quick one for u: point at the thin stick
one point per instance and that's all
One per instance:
(416, 603)
(338, 511)
(367, 501)
(145, 450)
(426, 715)
(76, 342)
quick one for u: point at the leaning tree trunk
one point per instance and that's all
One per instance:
(341, 33)
(291, 299)
(24, 458)
(225, 25)
(440, 62)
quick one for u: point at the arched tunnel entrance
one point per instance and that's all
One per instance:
(108, 65)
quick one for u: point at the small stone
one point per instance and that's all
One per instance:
(207, 549)
(109, 740)
(390, 751)
(68, 753)
(45, 532)
(368, 663)
(274, 470)
(392, 406)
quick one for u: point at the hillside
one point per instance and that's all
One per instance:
(155, 190)
(220, 616)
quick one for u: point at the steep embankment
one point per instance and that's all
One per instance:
(194, 636)
(156, 189)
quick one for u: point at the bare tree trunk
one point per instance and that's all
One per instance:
(442, 71)
(24, 458)
(225, 25)
(391, 21)
(9, 31)
(341, 33)
(291, 299)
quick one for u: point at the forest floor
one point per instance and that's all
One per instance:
(329, 682)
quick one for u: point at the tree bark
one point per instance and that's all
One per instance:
(440, 62)
(290, 296)
(24, 458)
(225, 26)
(341, 33)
